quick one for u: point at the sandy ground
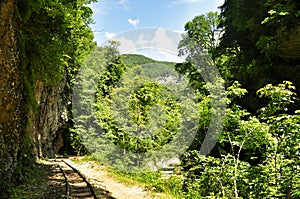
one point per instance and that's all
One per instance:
(99, 178)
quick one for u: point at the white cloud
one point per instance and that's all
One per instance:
(141, 42)
(161, 40)
(155, 39)
(179, 31)
(124, 4)
(110, 35)
(126, 45)
(133, 22)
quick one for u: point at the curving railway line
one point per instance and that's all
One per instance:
(77, 185)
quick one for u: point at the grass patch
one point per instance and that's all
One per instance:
(151, 180)
(34, 184)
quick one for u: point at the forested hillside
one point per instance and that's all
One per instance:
(230, 114)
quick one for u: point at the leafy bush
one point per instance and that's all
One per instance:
(229, 176)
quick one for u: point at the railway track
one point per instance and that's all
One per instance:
(77, 186)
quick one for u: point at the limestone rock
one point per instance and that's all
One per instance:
(48, 122)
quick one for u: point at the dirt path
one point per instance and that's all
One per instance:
(99, 178)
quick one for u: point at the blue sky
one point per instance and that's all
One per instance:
(114, 17)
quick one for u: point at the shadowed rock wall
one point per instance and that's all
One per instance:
(48, 123)
(12, 111)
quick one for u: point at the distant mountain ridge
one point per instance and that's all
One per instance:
(152, 68)
(135, 59)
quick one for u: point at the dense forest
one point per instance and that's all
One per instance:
(230, 113)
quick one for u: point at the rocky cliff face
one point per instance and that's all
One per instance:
(50, 120)
(12, 112)
(23, 130)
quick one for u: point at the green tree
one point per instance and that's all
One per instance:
(105, 83)
(137, 102)
(198, 47)
(233, 176)
(258, 36)
(87, 88)
(202, 36)
(283, 162)
(54, 38)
